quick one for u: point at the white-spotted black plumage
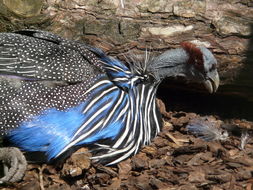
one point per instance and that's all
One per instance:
(44, 56)
(57, 95)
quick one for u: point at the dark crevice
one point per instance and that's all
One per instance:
(226, 106)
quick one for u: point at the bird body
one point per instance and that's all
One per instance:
(57, 95)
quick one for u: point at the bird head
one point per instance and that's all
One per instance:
(195, 64)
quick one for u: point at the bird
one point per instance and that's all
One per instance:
(57, 95)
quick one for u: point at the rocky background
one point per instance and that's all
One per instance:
(120, 26)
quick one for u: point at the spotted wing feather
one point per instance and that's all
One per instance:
(44, 56)
(39, 71)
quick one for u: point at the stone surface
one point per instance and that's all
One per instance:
(231, 25)
(25, 8)
(189, 9)
(155, 6)
(166, 31)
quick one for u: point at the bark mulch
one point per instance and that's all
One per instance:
(176, 160)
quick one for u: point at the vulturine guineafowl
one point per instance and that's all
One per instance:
(57, 95)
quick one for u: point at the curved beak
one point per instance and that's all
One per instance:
(212, 83)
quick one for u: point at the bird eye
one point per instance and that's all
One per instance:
(213, 67)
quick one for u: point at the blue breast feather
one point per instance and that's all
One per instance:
(52, 130)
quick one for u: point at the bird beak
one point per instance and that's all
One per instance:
(212, 83)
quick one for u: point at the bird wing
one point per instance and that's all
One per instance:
(39, 55)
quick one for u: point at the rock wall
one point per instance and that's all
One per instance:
(118, 26)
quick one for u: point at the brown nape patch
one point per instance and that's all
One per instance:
(195, 55)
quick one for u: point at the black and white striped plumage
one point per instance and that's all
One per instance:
(57, 95)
